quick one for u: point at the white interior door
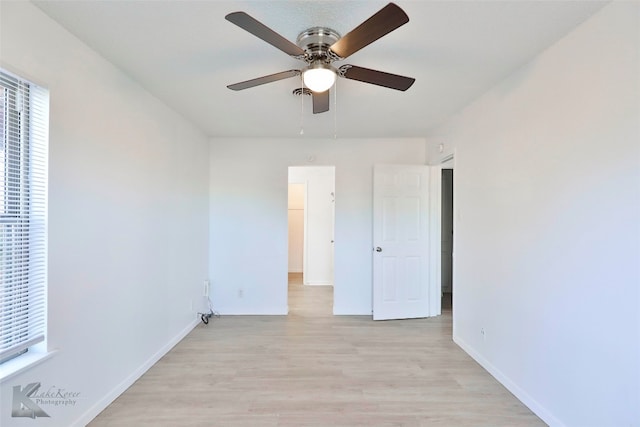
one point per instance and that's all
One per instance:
(296, 227)
(401, 224)
(319, 226)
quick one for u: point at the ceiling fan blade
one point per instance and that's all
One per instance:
(265, 79)
(263, 32)
(380, 78)
(383, 22)
(320, 101)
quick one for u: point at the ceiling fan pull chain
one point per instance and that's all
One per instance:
(301, 106)
(335, 111)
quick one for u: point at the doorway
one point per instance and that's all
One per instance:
(446, 236)
(311, 240)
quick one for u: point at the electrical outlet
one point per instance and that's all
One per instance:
(484, 336)
(240, 293)
(206, 288)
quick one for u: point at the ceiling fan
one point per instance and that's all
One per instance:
(319, 47)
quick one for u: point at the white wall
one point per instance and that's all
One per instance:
(128, 208)
(319, 182)
(547, 242)
(248, 211)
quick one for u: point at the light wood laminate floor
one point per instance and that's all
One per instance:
(315, 369)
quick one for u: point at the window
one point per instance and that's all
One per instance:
(24, 111)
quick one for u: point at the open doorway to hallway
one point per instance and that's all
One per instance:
(311, 236)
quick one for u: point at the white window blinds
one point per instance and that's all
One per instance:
(24, 127)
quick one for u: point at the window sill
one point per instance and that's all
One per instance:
(20, 364)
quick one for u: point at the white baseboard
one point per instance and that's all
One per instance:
(518, 392)
(253, 311)
(352, 311)
(95, 410)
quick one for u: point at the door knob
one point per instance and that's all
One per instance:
(378, 249)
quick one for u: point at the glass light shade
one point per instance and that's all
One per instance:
(319, 79)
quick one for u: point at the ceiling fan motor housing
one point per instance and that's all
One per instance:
(316, 42)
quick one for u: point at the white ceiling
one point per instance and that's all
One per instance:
(186, 53)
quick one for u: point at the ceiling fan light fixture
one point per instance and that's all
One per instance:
(319, 77)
